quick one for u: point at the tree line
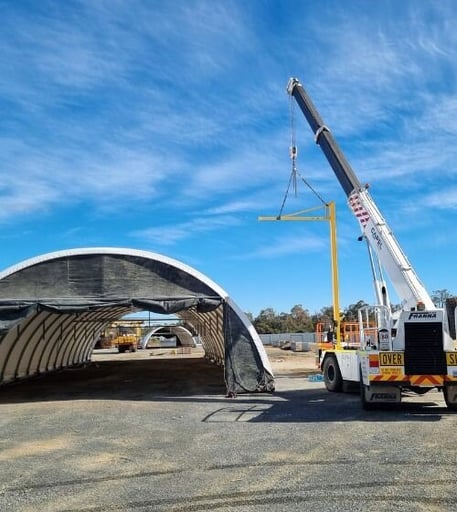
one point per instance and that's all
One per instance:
(299, 319)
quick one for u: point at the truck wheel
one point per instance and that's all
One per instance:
(332, 375)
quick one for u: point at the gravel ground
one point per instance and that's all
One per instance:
(154, 431)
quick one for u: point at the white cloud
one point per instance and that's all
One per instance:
(171, 234)
(444, 199)
(288, 245)
(242, 205)
(176, 114)
(39, 179)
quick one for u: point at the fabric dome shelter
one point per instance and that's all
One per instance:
(182, 335)
(54, 307)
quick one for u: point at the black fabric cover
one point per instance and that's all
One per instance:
(93, 282)
(244, 371)
(101, 277)
(12, 314)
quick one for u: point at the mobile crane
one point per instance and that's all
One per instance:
(411, 350)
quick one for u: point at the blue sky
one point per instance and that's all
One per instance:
(165, 126)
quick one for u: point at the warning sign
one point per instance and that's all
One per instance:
(391, 359)
(451, 358)
(392, 371)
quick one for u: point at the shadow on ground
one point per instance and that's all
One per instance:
(196, 381)
(143, 379)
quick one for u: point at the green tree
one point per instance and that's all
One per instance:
(324, 316)
(351, 312)
(267, 322)
(298, 320)
(439, 297)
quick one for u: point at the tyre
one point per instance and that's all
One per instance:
(332, 375)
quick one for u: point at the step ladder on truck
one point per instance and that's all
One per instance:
(411, 350)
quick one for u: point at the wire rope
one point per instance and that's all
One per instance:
(293, 155)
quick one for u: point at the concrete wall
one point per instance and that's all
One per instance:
(300, 341)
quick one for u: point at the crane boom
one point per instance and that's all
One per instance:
(374, 228)
(324, 138)
(413, 349)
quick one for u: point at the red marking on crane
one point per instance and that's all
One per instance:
(358, 209)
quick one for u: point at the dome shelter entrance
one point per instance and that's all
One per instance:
(54, 307)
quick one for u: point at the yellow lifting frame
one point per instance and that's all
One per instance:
(330, 216)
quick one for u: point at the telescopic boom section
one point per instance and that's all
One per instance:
(374, 227)
(324, 138)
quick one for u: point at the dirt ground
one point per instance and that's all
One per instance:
(154, 431)
(287, 362)
(145, 374)
(282, 361)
